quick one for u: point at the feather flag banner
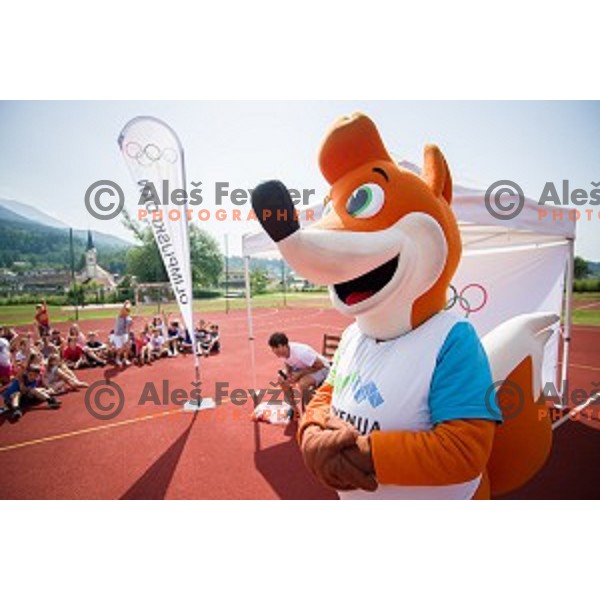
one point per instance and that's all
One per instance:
(154, 156)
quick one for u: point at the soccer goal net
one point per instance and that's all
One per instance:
(159, 295)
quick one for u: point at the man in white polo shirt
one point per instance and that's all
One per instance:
(303, 366)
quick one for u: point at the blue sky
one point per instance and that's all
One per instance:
(52, 151)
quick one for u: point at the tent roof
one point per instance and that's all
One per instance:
(480, 231)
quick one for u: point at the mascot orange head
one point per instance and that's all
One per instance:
(387, 244)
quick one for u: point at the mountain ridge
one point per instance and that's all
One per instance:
(20, 212)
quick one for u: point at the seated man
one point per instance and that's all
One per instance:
(303, 366)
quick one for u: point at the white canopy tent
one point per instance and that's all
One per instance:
(508, 267)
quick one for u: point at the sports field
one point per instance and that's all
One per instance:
(23, 314)
(586, 308)
(154, 450)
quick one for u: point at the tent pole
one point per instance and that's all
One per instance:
(564, 382)
(283, 283)
(250, 325)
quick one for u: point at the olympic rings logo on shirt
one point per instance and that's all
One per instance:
(150, 154)
(471, 298)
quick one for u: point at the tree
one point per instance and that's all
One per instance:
(207, 259)
(259, 280)
(582, 269)
(144, 260)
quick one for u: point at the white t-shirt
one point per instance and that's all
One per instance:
(386, 386)
(302, 356)
(157, 342)
(4, 353)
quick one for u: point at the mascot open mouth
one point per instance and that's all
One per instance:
(367, 285)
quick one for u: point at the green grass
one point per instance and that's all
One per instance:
(585, 297)
(23, 314)
(586, 317)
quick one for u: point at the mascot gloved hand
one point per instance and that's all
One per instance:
(325, 454)
(409, 409)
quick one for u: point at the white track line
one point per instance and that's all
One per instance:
(586, 306)
(575, 411)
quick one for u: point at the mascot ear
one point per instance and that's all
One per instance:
(436, 173)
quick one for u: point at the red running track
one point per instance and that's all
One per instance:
(157, 451)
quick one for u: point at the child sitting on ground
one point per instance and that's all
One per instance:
(58, 379)
(73, 354)
(75, 332)
(26, 387)
(48, 348)
(144, 349)
(78, 357)
(185, 342)
(6, 368)
(213, 344)
(173, 338)
(157, 345)
(202, 336)
(95, 346)
(57, 340)
(22, 353)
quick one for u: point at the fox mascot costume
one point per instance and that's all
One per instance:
(409, 409)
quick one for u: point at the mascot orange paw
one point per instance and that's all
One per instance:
(323, 451)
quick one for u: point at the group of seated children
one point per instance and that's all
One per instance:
(163, 337)
(207, 338)
(39, 369)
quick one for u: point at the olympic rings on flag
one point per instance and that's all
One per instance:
(470, 302)
(150, 153)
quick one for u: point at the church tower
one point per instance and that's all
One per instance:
(90, 258)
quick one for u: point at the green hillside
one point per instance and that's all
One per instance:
(25, 241)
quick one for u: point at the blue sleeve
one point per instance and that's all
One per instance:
(461, 386)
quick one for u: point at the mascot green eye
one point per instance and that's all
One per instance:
(366, 201)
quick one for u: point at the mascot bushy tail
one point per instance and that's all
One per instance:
(523, 440)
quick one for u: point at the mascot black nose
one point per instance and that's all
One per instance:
(274, 209)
